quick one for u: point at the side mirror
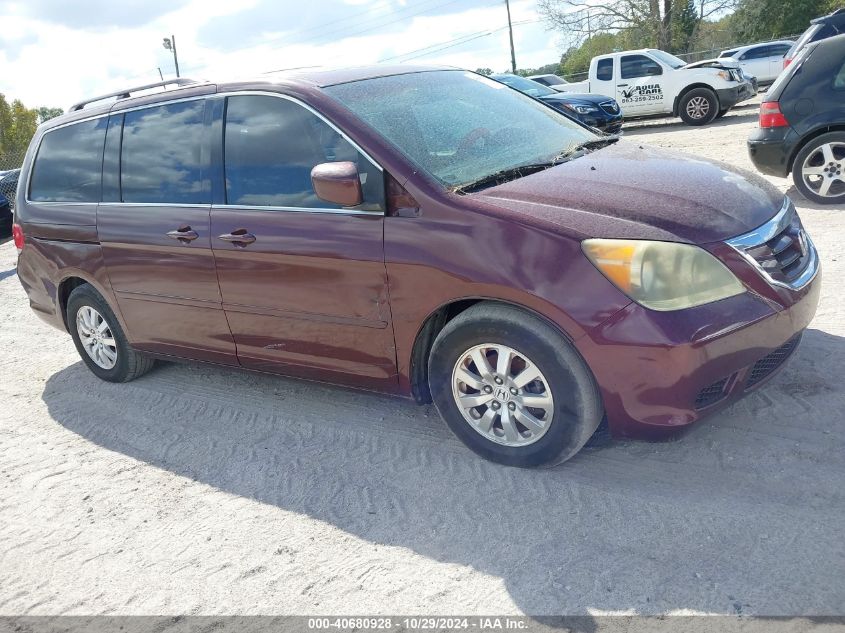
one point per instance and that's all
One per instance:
(337, 183)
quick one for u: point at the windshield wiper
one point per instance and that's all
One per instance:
(503, 176)
(520, 171)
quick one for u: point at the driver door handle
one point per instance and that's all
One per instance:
(184, 234)
(239, 237)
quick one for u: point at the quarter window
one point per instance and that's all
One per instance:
(162, 155)
(69, 163)
(839, 79)
(271, 145)
(604, 70)
(633, 66)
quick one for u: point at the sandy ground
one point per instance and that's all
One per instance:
(203, 490)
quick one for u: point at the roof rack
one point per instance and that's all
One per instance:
(126, 93)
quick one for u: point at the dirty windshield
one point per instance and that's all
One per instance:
(458, 126)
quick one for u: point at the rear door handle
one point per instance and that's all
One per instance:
(238, 236)
(621, 85)
(184, 234)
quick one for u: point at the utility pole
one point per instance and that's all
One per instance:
(510, 32)
(170, 44)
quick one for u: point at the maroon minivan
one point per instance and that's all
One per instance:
(418, 231)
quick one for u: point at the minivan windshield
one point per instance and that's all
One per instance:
(460, 127)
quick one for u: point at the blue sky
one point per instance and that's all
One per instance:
(55, 52)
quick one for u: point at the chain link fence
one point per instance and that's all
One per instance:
(697, 56)
(10, 165)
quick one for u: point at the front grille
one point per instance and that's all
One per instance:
(611, 107)
(768, 364)
(711, 395)
(781, 249)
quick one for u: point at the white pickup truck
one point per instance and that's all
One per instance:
(648, 82)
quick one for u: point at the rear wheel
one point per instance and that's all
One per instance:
(512, 388)
(818, 169)
(99, 339)
(699, 106)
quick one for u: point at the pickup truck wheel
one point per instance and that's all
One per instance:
(512, 388)
(819, 169)
(699, 106)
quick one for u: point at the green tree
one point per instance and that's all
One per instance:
(17, 126)
(45, 113)
(578, 61)
(484, 71)
(756, 20)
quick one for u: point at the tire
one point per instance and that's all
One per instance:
(86, 312)
(699, 106)
(569, 399)
(818, 170)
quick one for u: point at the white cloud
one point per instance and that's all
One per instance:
(47, 61)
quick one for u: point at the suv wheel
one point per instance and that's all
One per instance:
(512, 388)
(699, 106)
(818, 169)
(100, 340)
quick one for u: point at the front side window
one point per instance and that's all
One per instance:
(604, 69)
(457, 126)
(69, 163)
(271, 145)
(161, 155)
(634, 66)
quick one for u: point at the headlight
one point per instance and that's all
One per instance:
(581, 109)
(663, 275)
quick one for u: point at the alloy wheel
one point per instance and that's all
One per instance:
(698, 108)
(96, 337)
(502, 395)
(822, 170)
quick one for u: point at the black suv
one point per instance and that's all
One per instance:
(819, 29)
(802, 123)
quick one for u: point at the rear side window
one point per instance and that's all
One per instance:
(778, 49)
(161, 156)
(69, 163)
(634, 66)
(271, 145)
(604, 69)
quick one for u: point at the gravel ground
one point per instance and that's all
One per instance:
(200, 490)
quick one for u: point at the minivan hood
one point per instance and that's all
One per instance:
(631, 191)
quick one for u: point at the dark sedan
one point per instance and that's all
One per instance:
(598, 111)
(5, 217)
(802, 122)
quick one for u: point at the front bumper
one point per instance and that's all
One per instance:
(661, 371)
(729, 97)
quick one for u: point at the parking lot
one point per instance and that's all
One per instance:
(200, 490)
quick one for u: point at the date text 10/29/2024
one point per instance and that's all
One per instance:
(419, 623)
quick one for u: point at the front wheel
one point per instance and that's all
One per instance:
(699, 106)
(818, 169)
(512, 388)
